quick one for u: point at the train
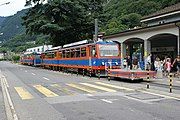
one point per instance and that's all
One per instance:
(83, 56)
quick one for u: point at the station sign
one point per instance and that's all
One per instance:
(163, 49)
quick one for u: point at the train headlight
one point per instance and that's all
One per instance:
(103, 63)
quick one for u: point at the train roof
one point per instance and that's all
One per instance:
(80, 44)
(83, 42)
(87, 42)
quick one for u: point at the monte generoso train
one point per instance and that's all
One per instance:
(87, 56)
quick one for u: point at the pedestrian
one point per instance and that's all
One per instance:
(168, 66)
(177, 64)
(129, 62)
(135, 63)
(125, 63)
(149, 62)
(157, 64)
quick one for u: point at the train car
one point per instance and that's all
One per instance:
(85, 56)
(26, 58)
(33, 59)
(131, 74)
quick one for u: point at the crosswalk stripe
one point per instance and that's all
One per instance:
(65, 90)
(23, 93)
(81, 88)
(99, 87)
(45, 91)
(113, 86)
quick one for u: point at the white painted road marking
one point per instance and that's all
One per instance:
(46, 78)
(108, 101)
(33, 74)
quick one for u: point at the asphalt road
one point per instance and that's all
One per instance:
(39, 94)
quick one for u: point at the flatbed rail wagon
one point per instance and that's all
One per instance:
(131, 74)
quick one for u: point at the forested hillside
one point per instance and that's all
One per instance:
(124, 14)
(2, 19)
(11, 26)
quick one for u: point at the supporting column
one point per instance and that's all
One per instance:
(123, 53)
(178, 43)
(145, 54)
(178, 38)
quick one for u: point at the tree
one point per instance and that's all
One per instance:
(64, 20)
(131, 20)
(143, 7)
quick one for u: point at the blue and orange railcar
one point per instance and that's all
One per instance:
(84, 55)
(33, 59)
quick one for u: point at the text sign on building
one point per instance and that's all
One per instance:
(163, 49)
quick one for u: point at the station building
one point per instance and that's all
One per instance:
(160, 36)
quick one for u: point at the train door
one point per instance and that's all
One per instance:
(92, 55)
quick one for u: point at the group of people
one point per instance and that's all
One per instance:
(131, 64)
(165, 65)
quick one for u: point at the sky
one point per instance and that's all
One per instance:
(12, 7)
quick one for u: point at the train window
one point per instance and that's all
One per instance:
(72, 53)
(83, 52)
(60, 54)
(67, 53)
(77, 52)
(108, 50)
(63, 54)
(52, 55)
(93, 51)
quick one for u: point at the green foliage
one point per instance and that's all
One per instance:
(64, 20)
(131, 20)
(15, 58)
(21, 42)
(11, 26)
(124, 14)
(143, 7)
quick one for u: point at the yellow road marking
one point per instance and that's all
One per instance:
(65, 90)
(45, 91)
(23, 93)
(99, 87)
(81, 88)
(113, 86)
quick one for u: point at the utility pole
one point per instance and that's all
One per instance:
(96, 30)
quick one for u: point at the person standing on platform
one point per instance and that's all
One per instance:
(158, 68)
(135, 63)
(129, 62)
(168, 66)
(177, 64)
(157, 64)
(149, 62)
